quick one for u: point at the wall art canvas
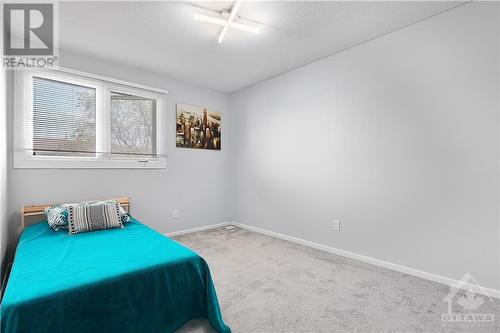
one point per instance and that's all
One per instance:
(198, 127)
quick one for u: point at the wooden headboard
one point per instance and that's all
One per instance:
(36, 211)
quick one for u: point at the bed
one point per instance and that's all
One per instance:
(119, 280)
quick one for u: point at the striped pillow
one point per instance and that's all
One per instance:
(123, 214)
(92, 217)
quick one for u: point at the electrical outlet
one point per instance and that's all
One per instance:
(175, 214)
(336, 225)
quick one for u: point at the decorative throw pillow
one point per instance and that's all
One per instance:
(57, 217)
(92, 217)
(123, 214)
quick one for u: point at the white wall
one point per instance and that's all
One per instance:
(398, 137)
(195, 181)
(3, 173)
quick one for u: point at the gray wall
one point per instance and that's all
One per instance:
(397, 137)
(195, 181)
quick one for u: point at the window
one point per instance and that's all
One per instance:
(67, 120)
(64, 117)
(133, 128)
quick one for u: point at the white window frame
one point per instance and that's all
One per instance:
(23, 123)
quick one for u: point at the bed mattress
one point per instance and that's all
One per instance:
(121, 280)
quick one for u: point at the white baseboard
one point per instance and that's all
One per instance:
(207, 227)
(399, 268)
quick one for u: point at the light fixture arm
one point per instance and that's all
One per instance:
(232, 15)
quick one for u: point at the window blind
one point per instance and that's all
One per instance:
(64, 118)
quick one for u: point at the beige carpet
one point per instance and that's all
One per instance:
(270, 285)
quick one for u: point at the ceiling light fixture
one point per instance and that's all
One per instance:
(227, 23)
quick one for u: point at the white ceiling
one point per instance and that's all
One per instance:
(163, 37)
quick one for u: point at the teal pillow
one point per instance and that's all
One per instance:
(57, 217)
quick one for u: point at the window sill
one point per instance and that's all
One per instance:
(25, 161)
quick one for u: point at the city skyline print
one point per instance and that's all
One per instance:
(198, 127)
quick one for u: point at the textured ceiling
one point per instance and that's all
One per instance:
(163, 37)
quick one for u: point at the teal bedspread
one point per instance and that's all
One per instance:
(122, 280)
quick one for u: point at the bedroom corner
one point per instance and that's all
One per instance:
(3, 175)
